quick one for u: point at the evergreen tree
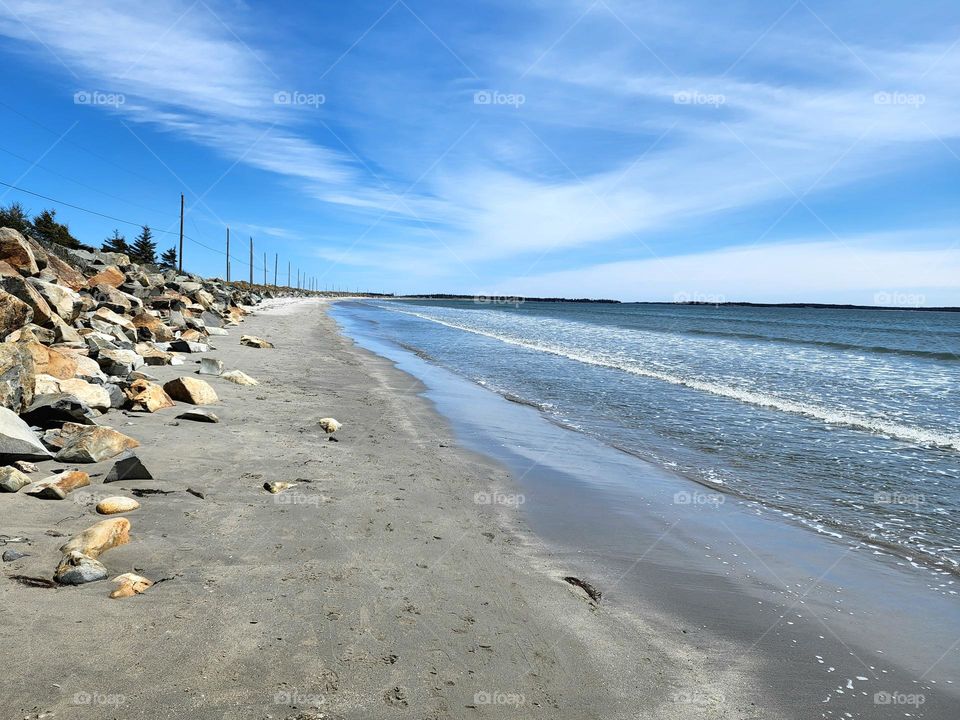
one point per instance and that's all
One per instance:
(144, 248)
(46, 227)
(169, 258)
(116, 243)
(14, 216)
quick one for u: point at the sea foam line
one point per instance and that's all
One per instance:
(894, 430)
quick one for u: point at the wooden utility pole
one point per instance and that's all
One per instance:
(264, 269)
(298, 278)
(228, 253)
(288, 273)
(180, 257)
(251, 261)
(276, 260)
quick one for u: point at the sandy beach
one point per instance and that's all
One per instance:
(377, 587)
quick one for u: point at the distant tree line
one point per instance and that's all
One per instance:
(45, 227)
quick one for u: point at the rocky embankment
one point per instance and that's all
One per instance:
(80, 331)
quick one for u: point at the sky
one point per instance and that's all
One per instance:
(769, 151)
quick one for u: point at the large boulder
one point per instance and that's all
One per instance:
(108, 316)
(191, 390)
(62, 300)
(127, 467)
(92, 443)
(20, 288)
(110, 275)
(17, 441)
(111, 298)
(97, 539)
(17, 377)
(53, 410)
(14, 314)
(59, 486)
(146, 396)
(16, 251)
(48, 361)
(119, 362)
(151, 328)
(65, 274)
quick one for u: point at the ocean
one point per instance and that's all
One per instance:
(844, 421)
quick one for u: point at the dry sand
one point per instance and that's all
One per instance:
(375, 588)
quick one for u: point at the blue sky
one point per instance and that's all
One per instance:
(768, 151)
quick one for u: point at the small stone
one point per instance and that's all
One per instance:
(189, 346)
(24, 466)
(11, 555)
(11, 479)
(130, 584)
(128, 467)
(57, 487)
(191, 390)
(117, 504)
(239, 377)
(92, 443)
(329, 425)
(254, 341)
(199, 415)
(211, 366)
(99, 538)
(76, 569)
(277, 486)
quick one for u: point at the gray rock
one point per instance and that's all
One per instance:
(188, 346)
(17, 441)
(128, 467)
(211, 366)
(119, 362)
(76, 569)
(117, 398)
(11, 555)
(216, 331)
(199, 415)
(54, 409)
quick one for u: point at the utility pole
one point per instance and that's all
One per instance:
(298, 278)
(288, 273)
(264, 269)
(228, 253)
(181, 234)
(251, 261)
(276, 260)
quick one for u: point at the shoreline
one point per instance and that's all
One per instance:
(374, 588)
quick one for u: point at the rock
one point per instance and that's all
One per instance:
(17, 377)
(149, 327)
(11, 555)
(48, 361)
(26, 467)
(97, 539)
(130, 584)
(277, 486)
(76, 569)
(199, 415)
(192, 336)
(62, 300)
(117, 397)
(14, 314)
(239, 377)
(64, 333)
(15, 251)
(254, 341)
(57, 487)
(17, 441)
(211, 366)
(119, 362)
(65, 274)
(329, 425)
(20, 288)
(191, 390)
(117, 504)
(91, 395)
(92, 443)
(111, 298)
(11, 479)
(128, 467)
(110, 276)
(105, 315)
(55, 409)
(188, 346)
(145, 396)
(216, 331)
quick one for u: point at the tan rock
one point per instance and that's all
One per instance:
(11, 479)
(87, 368)
(277, 486)
(191, 336)
(25, 466)
(48, 361)
(17, 377)
(15, 250)
(62, 332)
(14, 314)
(62, 300)
(145, 322)
(191, 390)
(117, 504)
(66, 275)
(146, 396)
(57, 487)
(94, 396)
(110, 275)
(329, 425)
(20, 288)
(97, 539)
(109, 316)
(254, 341)
(239, 377)
(130, 584)
(92, 443)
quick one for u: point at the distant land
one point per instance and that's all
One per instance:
(501, 299)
